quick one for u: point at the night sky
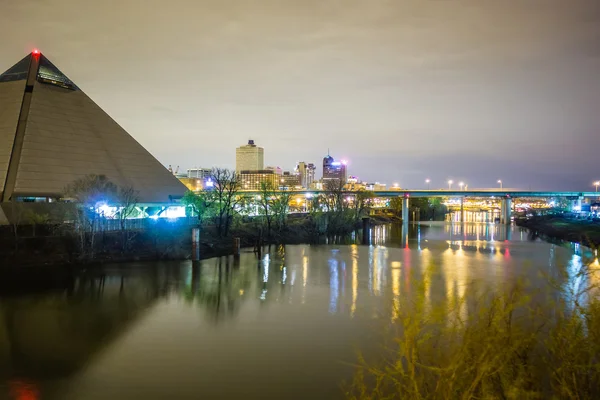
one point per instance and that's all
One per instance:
(473, 90)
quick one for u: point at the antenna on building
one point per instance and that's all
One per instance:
(328, 152)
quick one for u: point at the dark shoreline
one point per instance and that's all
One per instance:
(559, 228)
(43, 270)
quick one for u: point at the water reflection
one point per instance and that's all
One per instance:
(297, 311)
(23, 390)
(354, 250)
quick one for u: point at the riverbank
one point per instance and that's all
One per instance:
(296, 231)
(49, 246)
(557, 227)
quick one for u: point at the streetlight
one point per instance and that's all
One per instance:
(500, 182)
(428, 181)
(450, 182)
(597, 183)
(461, 184)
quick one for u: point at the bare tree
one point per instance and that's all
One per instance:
(281, 207)
(265, 203)
(17, 215)
(36, 219)
(127, 201)
(396, 205)
(334, 192)
(226, 187)
(91, 193)
(362, 202)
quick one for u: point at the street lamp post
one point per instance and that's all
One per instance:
(500, 182)
(461, 184)
(428, 181)
(450, 182)
(597, 183)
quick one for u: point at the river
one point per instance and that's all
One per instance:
(287, 325)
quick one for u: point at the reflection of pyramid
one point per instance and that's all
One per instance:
(51, 133)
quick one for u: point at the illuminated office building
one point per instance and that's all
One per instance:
(306, 173)
(249, 157)
(289, 181)
(252, 180)
(334, 170)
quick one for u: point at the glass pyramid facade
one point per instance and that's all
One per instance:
(47, 73)
(52, 133)
(17, 72)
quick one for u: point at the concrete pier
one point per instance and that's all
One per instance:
(506, 210)
(366, 225)
(405, 210)
(195, 244)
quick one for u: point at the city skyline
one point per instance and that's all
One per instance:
(473, 91)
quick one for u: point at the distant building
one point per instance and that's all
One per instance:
(306, 173)
(289, 180)
(193, 184)
(276, 170)
(249, 157)
(196, 179)
(353, 184)
(251, 180)
(334, 170)
(201, 173)
(375, 186)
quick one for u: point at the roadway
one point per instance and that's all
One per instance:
(510, 193)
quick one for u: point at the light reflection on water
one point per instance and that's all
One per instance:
(216, 328)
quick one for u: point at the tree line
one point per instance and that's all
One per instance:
(335, 209)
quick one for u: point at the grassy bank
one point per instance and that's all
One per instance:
(491, 344)
(557, 227)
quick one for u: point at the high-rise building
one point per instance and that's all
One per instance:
(306, 173)
(52, 133)
(249, 157)
(334, 170)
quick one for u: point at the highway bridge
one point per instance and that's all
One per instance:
(484, 193)
(512, 193)
(505, 195)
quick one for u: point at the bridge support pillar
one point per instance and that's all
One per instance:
(506, 211)
(462, 209)
(405, 210)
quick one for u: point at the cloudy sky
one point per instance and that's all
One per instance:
(473, 90)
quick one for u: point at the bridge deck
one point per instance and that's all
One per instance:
(459, 193)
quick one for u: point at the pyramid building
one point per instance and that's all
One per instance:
(51, 133)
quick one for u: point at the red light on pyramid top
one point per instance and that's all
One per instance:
(35, 52)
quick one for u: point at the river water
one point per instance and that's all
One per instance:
(286, 325)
